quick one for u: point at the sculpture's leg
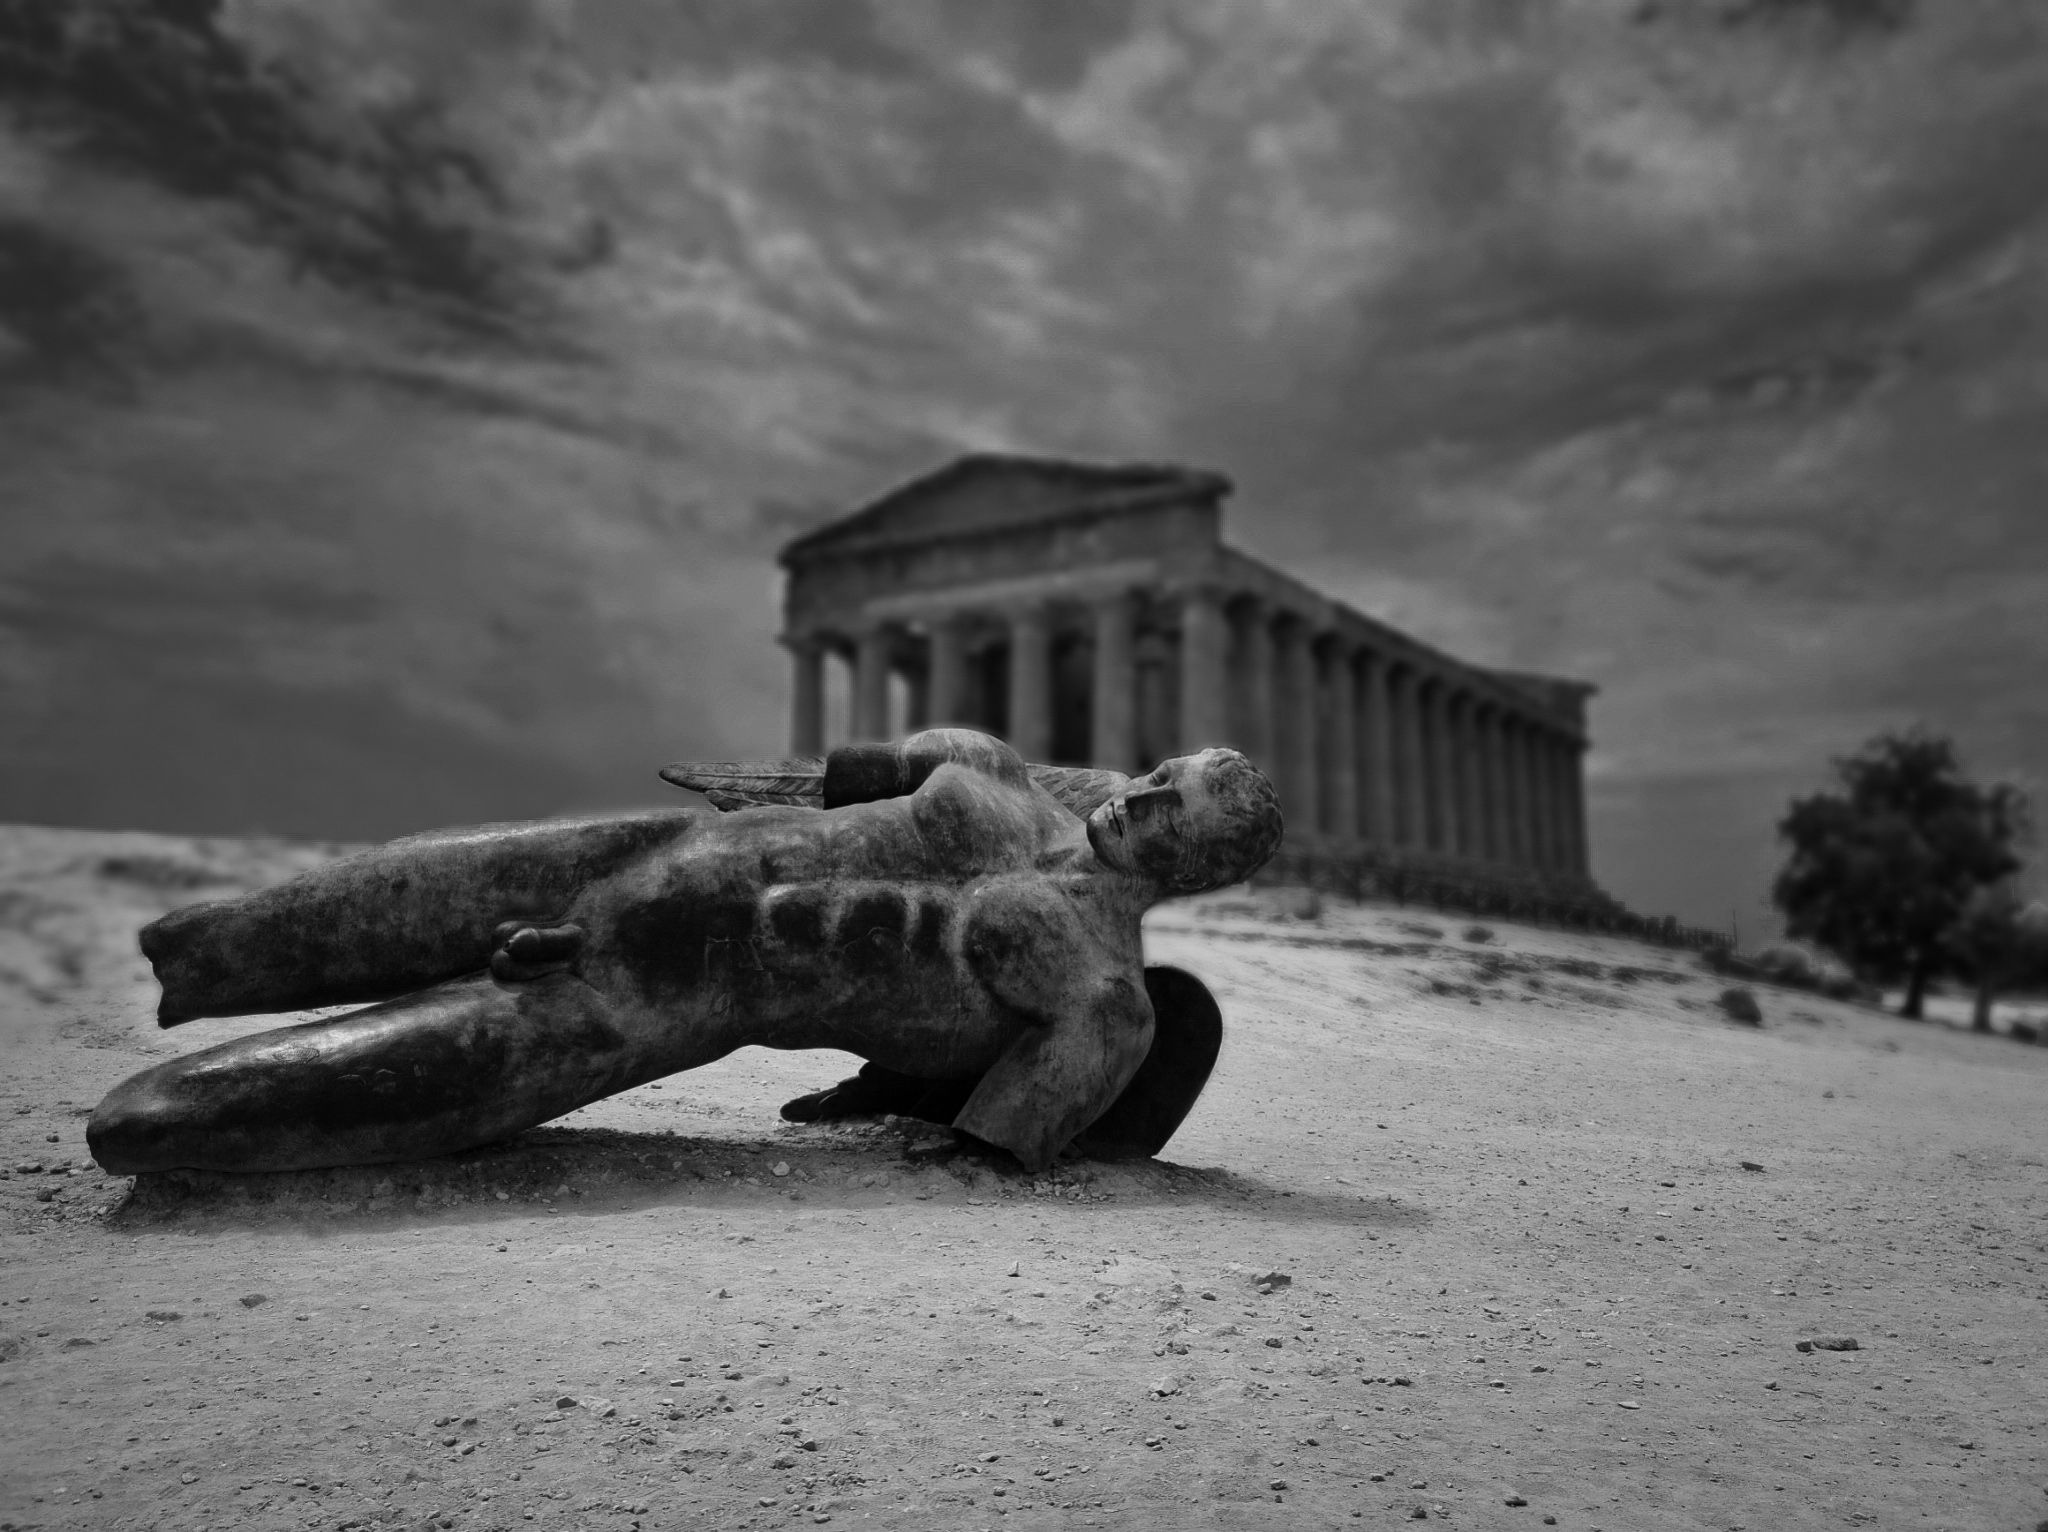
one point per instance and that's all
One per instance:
(463, 1064)
(1187, 1035)
(389, 921)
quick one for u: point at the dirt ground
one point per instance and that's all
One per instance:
(1499, 1188)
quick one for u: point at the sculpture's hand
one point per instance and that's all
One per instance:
(527, 951)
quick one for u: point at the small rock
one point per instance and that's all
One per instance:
(1550, 1521)
(252, 1300)
(1628, 1404)
(779, 1168)
(76, 1342)
(1278, 1484)
(1404, 1382)
(1515, 1500)
(1739, 1004)
(1273, 1279)
(1418, 1513)
(990, 1457)
(567, 1402)
(1273, 1341)
(163, 1316)
(1832, 1343)
(1751, 1165)
(188, 1477)
(49, 1138)
(784, 1461)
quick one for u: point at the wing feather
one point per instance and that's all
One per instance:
(1083, 789)
(730, 785)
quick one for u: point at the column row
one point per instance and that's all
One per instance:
(1377, 746)
(1361, 744)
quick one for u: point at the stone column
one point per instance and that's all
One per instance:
(1562, 750)
(1337, 697)
(1582, 849)
(1414, 759)
(1478, 829)
(1485, 821)
(1113, 718)
(1255, 735)
(1438, 782)
(807, 695)
(1031, 683)
(1204, 693)
(947, 675)
(1501, 807)
(1458, 770)
(1512, 803)
(1543, 799)
(1378, 818)
(1296, 745)
(871, 656)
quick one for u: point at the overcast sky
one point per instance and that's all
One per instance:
(1697, 349)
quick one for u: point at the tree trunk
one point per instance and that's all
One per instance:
(1916, 992)
(1980, 1017)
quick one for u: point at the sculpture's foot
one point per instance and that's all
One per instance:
(876, 1092)
(1187, 1036)
(462, 1064)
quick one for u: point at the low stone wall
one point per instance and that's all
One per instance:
(1473, 888)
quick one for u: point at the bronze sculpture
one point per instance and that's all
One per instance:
(966, 923)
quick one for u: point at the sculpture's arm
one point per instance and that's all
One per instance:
(1062, 1073)
(876, 771)
(898, 768)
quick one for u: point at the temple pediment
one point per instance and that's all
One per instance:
(985, 492)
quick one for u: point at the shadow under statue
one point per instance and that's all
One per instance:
(964, 922)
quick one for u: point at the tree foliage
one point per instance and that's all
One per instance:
(1881, 870)
(382, 200)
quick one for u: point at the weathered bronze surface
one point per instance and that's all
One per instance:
(966, 923)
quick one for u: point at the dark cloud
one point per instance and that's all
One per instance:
(1697, 359)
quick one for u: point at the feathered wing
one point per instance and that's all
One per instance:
(800, 783)
(1083, 789)
(729, 785)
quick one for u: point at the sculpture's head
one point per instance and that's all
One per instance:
(1197, 822)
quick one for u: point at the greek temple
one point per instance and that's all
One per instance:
(1093, 615)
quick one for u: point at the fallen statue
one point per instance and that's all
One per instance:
(966, 923)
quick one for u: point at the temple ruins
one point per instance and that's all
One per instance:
(1093, 615)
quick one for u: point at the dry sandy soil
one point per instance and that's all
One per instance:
(1502, 1183)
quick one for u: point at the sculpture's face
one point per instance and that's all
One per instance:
(1159, 820)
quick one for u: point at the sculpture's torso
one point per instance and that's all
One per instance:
(871, 928)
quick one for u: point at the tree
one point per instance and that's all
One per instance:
(1999, 943)
(1881, 871)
